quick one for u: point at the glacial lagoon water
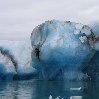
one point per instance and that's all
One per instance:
(36, 89)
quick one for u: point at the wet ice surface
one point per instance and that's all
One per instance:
(43, 89)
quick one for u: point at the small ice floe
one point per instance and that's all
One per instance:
(76, 97)
(57, 97)
(50, 97)
(76, 89)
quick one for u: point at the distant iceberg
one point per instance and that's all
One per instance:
(55, 51)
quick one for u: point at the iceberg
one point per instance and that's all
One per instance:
(56, 50)
(63, 50)
(15, 57)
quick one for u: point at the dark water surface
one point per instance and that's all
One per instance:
(43, 89)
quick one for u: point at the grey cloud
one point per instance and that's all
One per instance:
(19, 17)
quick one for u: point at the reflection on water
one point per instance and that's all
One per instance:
(43, 89)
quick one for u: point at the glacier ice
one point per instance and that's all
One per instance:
(16, 58)
(65, 50)
(56, 50)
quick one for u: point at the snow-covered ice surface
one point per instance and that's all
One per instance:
(56, 51)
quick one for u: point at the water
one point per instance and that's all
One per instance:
(33, 89)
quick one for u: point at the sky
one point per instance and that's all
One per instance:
(18, 18)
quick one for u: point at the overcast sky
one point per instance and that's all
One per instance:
(19, 17)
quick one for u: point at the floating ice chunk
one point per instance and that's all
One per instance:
(76, 89)
(50, 97)
(76, 97)
(57, 97)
